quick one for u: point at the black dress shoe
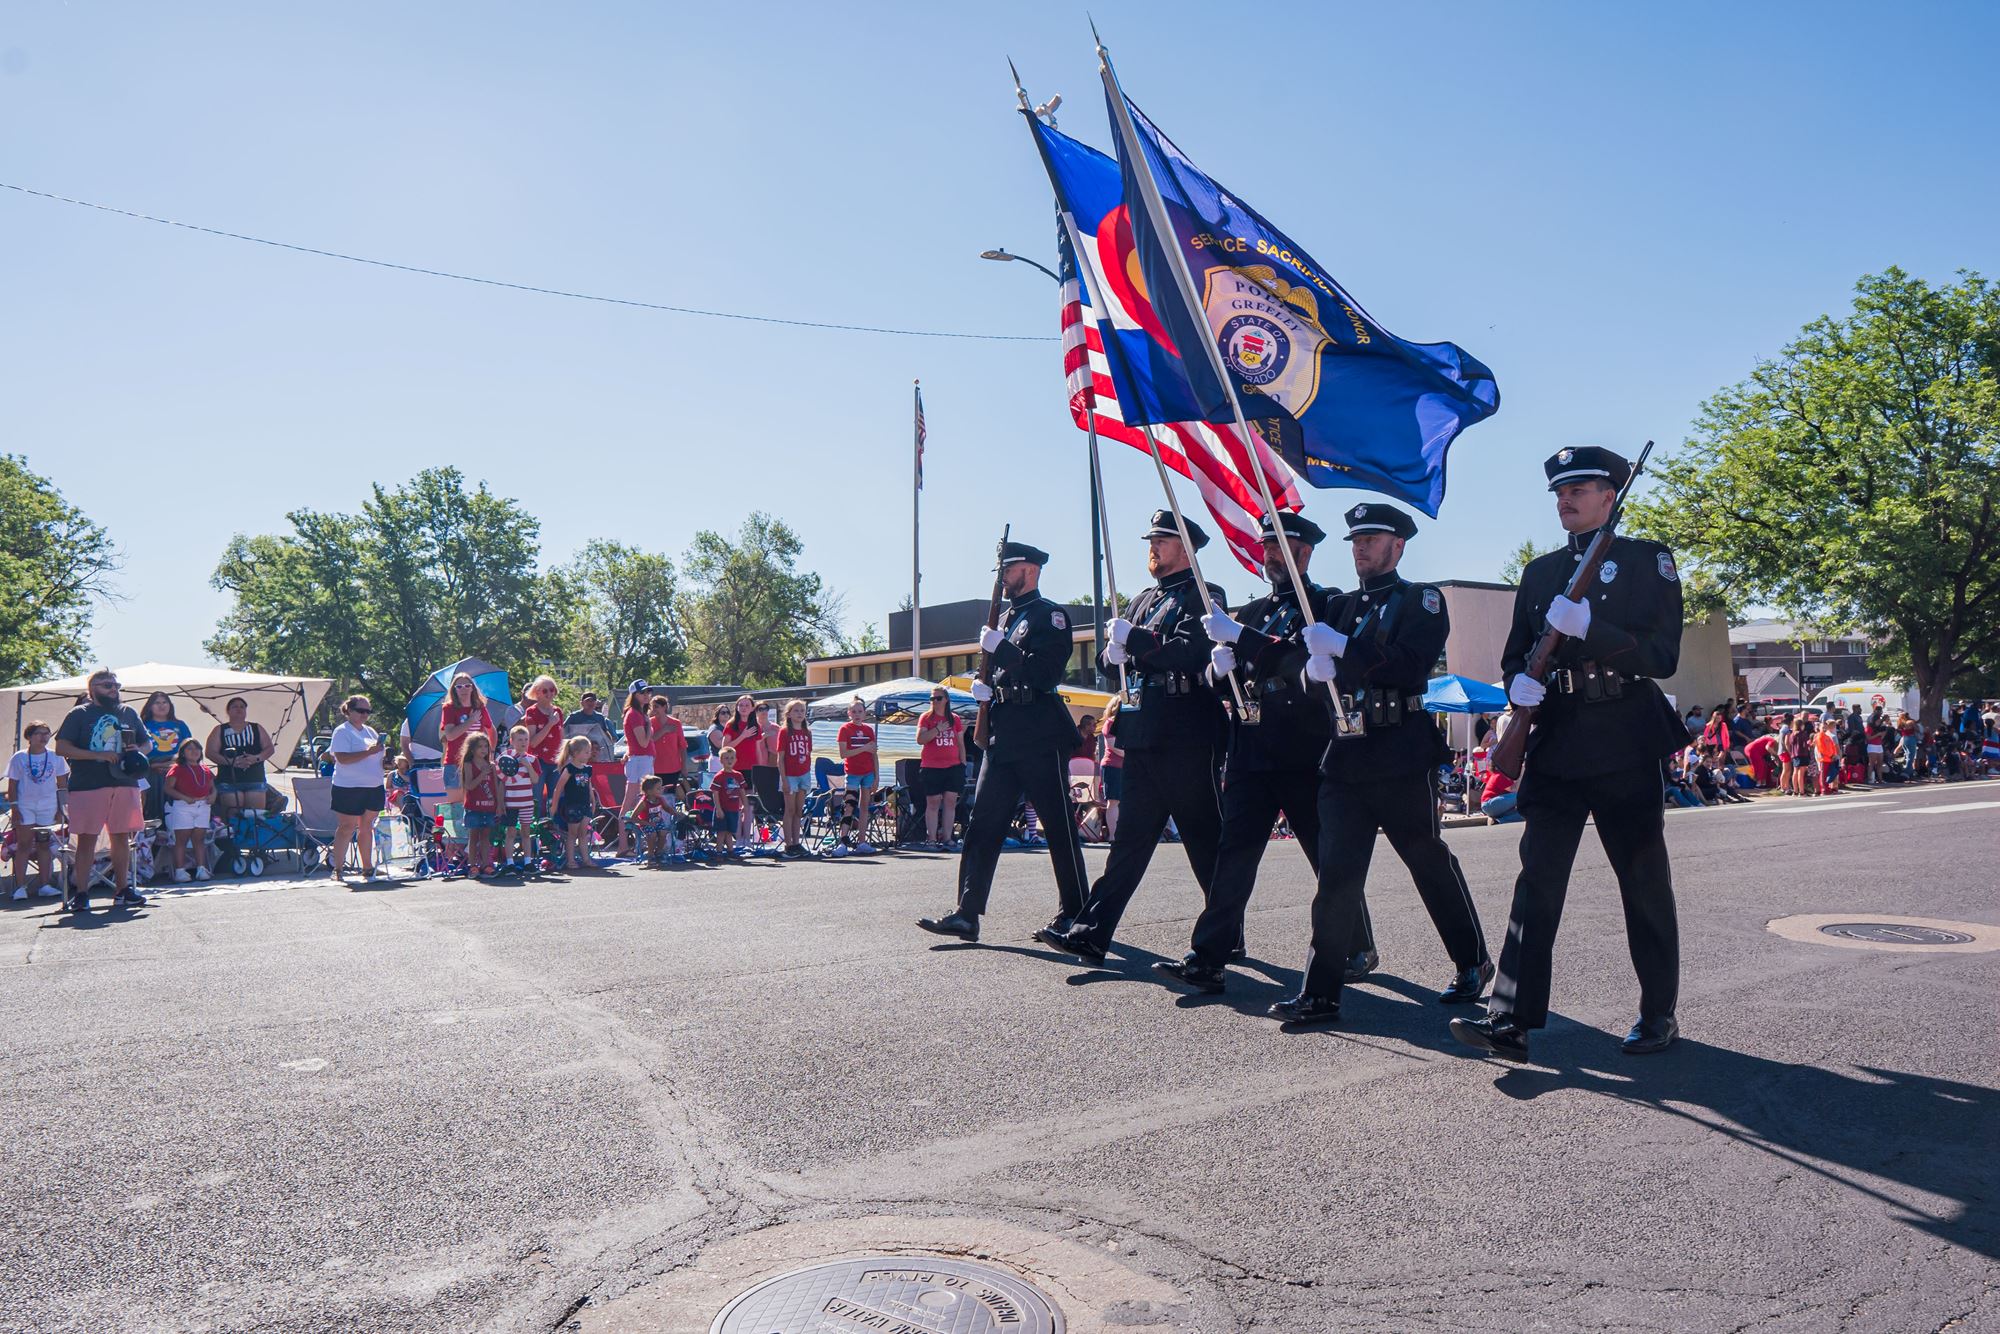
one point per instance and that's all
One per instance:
(1240, 952)
(1082, 946)
(1190, 972)
(1053, 933)
(1496, 1033)
(1469, 987)
(963, 925)
(1363, 963)
(1650, 1035)
(1306, 1009)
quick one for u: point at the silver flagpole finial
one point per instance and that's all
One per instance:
(1019, 92)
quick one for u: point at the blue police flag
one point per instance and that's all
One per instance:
(1343, 400)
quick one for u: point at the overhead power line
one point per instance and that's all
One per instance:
(529, 287)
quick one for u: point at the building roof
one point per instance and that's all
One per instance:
(1768, 630)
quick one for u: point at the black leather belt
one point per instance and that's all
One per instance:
(1020, 694)
(1590, 682)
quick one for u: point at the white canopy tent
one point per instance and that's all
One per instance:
(281, 705)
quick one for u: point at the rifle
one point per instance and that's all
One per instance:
(982, 727)
(1509, 755)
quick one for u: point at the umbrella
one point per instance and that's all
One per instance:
(427, 705)
(898, 701)
(1461, 694)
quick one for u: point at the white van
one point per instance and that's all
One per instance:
(1870, 695)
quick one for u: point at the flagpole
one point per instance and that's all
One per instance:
(1102, 515)
(916, 548)
(1149, 192)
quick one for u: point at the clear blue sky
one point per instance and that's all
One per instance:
(1618, 208)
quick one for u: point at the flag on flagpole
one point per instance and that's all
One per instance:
(1106, 366)
(1348, 403)
(920, 437)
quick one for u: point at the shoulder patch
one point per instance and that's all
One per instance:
(1433, 600)
(1667, 570)
(1058, 620)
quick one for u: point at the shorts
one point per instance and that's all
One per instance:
(942, 779)
(239, 788)
(860, 782)
(797, 783)
(479, 819)
(451, 777)
(187, 815)
(569, 816)
(637, 767)
(106, 810)
(1114, 783)
(728, 821)
(34, 813)
(358, 800)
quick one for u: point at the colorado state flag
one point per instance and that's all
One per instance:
(1346, 402)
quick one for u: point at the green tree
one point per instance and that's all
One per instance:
(620, 616)
(1517, 561)
(425, 574)
(1852, 480)
(748, 616)
(54, 562)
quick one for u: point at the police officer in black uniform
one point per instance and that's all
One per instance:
(1276, 742)
(1381, 769)
(1602, 726)
(1032, 739)
(1172, 730)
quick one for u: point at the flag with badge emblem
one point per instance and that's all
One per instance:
(1346, 402)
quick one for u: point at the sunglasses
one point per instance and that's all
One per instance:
(363, 712)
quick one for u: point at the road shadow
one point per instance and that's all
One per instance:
(1933, 1135)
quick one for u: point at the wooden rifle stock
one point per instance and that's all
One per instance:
(982, 726)
(1509, 755)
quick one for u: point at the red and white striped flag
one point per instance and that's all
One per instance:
(1216, 458)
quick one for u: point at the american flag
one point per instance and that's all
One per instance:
(1216, 458)
(920, 437)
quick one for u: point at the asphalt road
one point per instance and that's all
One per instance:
(531, 1107)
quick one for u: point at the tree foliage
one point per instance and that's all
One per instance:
(424, 575)
(1518, 560)
(54, 562)
(619, 610)
(748, 616)
(1852, 482)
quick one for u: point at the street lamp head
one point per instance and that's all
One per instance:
(996, 254)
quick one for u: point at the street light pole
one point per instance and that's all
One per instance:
(1096, 508)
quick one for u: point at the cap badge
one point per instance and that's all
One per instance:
(1360, 512)
(1565, 455)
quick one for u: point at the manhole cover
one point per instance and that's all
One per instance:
(1891, 933)
(896, 1294)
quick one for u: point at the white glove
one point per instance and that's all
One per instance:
(1570, 618)
(1320, 667)
(1222, 627)
(1119, 630)
(1115, 654)
(981, 691)
(1526, 691)
(990, 639)
(1324, 641)
(1223, 659)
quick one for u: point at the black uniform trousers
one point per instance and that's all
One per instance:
(1252, 800)
(1404, 808)
(1180, 783)
(1629, 806)
(1043, 777)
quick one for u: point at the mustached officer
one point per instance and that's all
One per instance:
(1171, 727)
(1381, 768)
(1276, 742)
(1602, 725)
(1032, 739)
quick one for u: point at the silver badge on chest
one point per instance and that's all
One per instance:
(1608, 571)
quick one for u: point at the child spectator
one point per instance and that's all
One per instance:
(653, 817)
(638, 755)
(941, 736)
(37, 785)
(795, 754)
(728, 788)
(484, 800)
(858, 753)
(1826, 747)
(570, 799)
(188, 787)
(522, 785)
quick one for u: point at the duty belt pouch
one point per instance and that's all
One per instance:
(1357, 719)
(1599, 684)
(1250, 713)
(1385, 708)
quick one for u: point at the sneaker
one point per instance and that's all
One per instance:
(48, 892)
(838, 850)
(183, 877)
(20, 893)
(131, 898)
(864, 849)
(202, 873)
(954, 846)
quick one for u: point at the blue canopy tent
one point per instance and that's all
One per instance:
(1461, 694)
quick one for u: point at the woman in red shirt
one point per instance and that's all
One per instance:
(795, 759)
(941, 736)
(755, 739)
(465, 714)
(670, 745)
